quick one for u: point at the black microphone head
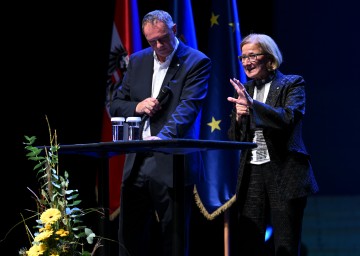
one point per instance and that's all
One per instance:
(163, 93)
(161, 96)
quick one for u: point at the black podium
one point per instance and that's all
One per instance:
(177, 147)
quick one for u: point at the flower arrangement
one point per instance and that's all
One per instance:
(59, 228)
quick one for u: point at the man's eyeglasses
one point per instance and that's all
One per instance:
(251, 57)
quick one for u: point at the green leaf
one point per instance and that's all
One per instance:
(34, 152)
(90, 238)
(31, 139)
(72, 197)
(68, 192)
(75, 203)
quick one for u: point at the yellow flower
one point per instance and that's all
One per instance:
(47, 227)
(62, 232)
(36, 250)
(50, 216)
(44, 235)
(54, 253)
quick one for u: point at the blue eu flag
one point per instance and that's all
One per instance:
(217, 193)
(183, 17)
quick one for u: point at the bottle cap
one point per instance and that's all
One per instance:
(133, 119)
(118, 119)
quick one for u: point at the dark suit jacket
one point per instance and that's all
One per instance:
(281, 120)
(187, 77)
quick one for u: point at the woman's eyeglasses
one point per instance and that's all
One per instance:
(250, 57)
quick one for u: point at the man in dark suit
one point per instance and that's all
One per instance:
(146, 211)
(275, 178)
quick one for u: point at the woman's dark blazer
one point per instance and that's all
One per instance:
(281, 120)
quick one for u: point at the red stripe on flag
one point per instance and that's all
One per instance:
(116, 164)
(122, 20)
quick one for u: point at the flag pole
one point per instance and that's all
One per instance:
(227, 233)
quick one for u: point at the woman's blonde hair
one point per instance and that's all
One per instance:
(268, 46)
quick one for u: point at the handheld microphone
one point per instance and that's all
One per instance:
(161, 96)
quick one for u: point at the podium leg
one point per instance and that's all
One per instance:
(103, 202)
(179, 214)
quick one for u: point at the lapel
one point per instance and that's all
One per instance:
(274, 90)
(251, 88)
(146, 70)
(273, 93)
(175, 65)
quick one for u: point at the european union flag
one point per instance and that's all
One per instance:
(183, 17)
(217, 193)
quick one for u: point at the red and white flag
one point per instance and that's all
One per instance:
(126, 39)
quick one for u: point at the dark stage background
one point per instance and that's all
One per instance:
(55, 57)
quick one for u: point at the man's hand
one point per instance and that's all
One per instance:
(152, 138)
(149, 106)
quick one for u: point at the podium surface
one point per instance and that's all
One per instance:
(177, 147)
(173, 146)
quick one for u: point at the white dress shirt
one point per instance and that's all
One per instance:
(160, 69)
